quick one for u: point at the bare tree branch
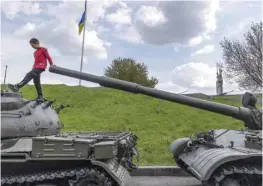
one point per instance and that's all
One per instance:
(243, 60)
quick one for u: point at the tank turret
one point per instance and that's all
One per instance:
(27, 118)
(249, 114)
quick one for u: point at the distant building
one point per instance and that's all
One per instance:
(219, 81)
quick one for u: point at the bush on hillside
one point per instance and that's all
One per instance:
(128, 69)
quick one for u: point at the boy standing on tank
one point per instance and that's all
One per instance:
(41, 56)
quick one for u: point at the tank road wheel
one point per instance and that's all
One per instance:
(56, 182)
(236, 180)
(46, 184)
(236, 175)
(91, 177)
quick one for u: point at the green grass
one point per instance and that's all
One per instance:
(156, 122)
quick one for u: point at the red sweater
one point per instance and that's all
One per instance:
(41, 56)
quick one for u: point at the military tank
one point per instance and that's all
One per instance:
(219, 157)
(34, 151)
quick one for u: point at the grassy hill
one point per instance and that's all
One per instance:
(156, 122)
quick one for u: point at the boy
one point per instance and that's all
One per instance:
(41, 55)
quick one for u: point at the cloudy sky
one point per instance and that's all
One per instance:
(177, 40)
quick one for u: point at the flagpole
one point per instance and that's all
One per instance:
(83, 41)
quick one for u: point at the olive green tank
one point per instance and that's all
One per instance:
(34, 151)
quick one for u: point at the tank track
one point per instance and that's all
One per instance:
(252, 173)
(73, 176)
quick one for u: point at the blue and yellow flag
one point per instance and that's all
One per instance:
(82, 20)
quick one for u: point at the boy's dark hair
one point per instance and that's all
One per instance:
(34, 41)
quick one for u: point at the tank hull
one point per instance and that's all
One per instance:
(68, 159)
(35, 152)
(214, 156)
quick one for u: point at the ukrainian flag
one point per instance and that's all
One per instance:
(82, 20)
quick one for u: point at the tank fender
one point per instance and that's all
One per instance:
(206, 163)
(177, 146)
(115, 170)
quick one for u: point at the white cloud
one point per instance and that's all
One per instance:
(61, 30)
(95, 46)
(195, 41)
(123, 28)
(177, 22)
(195, 78)
(123, 5)
(12, 9)
(25, 28)
(151, 16)
(170, 87)
(166, 23)
(101, 29)
(127, 33)
(189, 75)
(72, 10)
(108, 44)
(210, 16)
(122, 16)
(58, 31)
(205, 50)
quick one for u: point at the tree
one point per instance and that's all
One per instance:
(243, 60)
(128, 69)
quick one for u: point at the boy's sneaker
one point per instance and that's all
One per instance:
(40, 99)
(14, 88)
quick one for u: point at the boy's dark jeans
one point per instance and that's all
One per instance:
(34, 74)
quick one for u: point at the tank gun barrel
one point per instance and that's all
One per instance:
(240, 113)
